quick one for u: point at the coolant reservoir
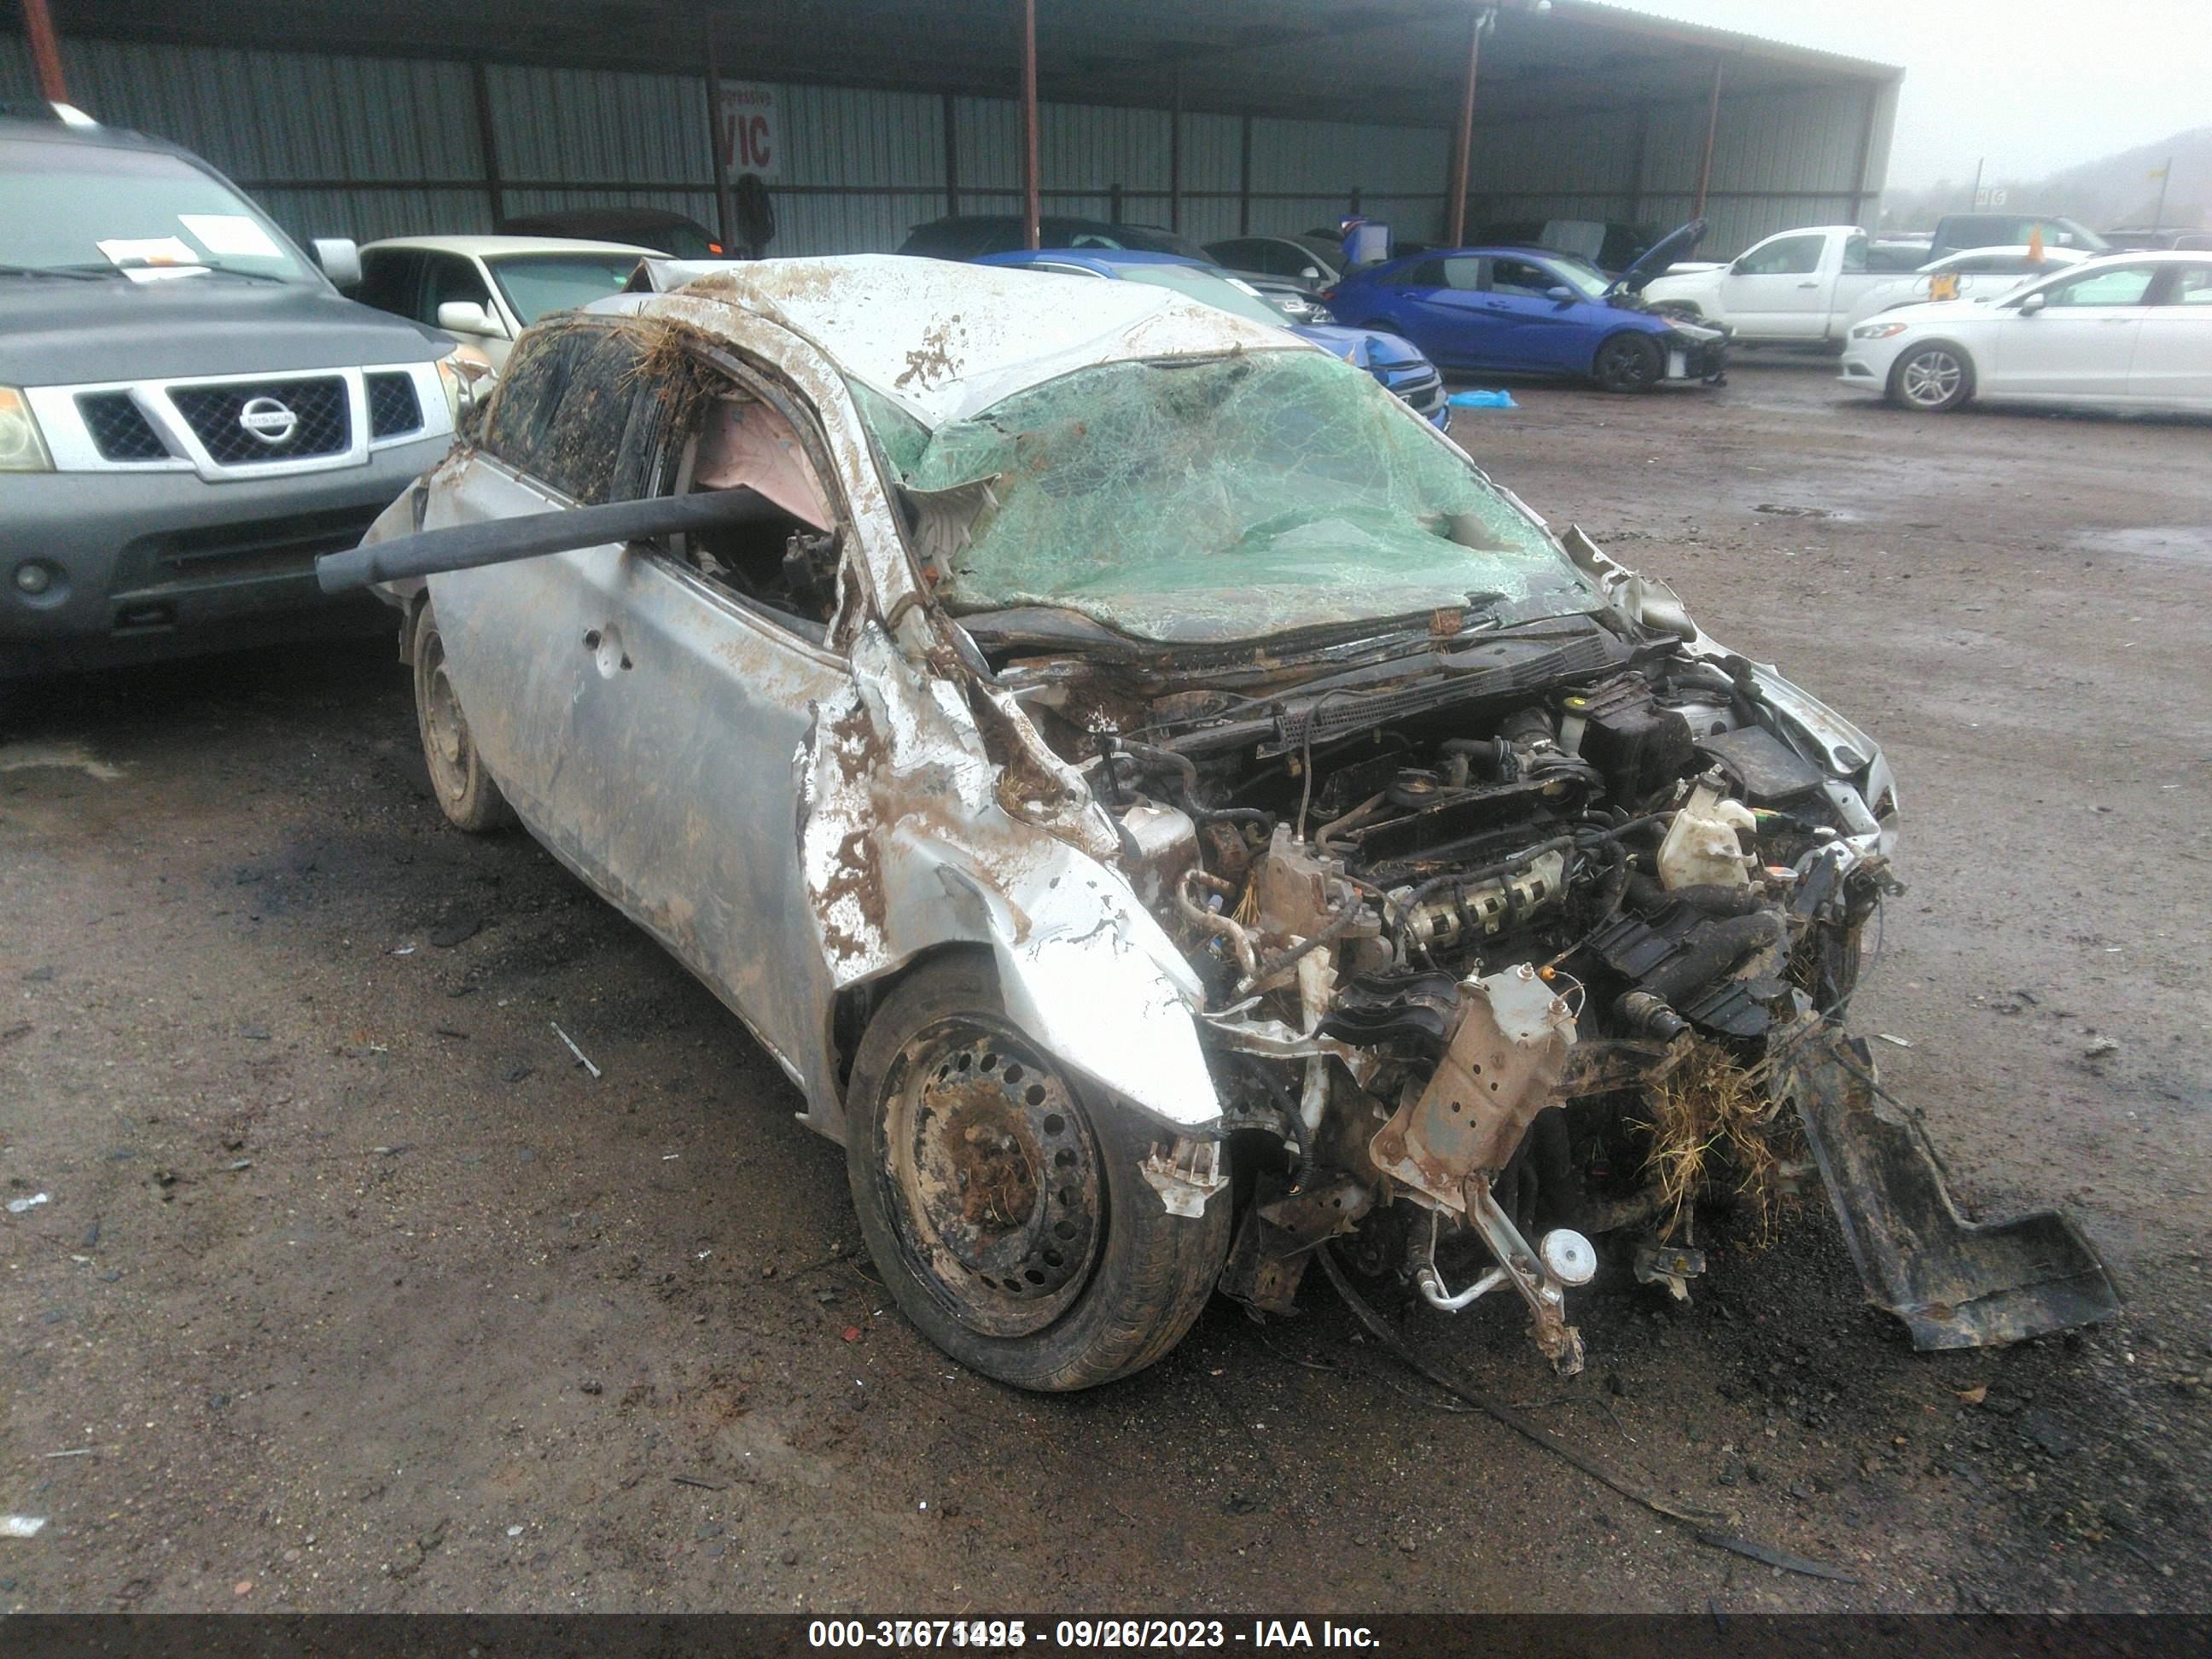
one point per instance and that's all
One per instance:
(1701, 848)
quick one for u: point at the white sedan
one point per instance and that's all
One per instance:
(485, 290)
(1979, 274)
(2132, 329)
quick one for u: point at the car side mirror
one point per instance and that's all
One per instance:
(1561, 293)
(1309, 274)
(2030, 306)
(467, 317)
(340, 259)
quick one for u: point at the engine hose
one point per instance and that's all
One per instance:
(1212, 922)
(1150, 757)
(1711, 898)
(1328, 935)
(1491, 756)
(1358, 814)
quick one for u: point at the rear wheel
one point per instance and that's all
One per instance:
(1931, 377)
(466, 792)
(1629, 363)
(1002, 1200)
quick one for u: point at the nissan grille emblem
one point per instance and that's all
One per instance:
(272, 422)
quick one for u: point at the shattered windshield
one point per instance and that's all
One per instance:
(1220, 498)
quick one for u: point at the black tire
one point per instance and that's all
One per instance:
(466, 791)
(1057, 1284)
(1629, 363)
(1931, 378)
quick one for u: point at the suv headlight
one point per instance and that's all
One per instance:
(1878, 330)
(22, 446)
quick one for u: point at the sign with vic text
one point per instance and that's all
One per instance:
(752, 135)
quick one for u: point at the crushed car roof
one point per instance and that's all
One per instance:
(944, 341)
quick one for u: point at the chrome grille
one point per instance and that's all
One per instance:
(393, 407)
(118, 431)
(323, 422)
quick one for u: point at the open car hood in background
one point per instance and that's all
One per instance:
(1660, 255)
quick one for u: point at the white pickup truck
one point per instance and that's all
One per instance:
(1798, 287)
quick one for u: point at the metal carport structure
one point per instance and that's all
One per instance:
(388, 116)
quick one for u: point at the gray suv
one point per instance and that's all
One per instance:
(189, 411)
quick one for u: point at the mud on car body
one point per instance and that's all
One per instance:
(1169, 811)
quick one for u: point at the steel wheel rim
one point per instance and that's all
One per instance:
(996, 1187)
(446, 741)
(1930, 378)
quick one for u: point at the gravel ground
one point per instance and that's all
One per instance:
(352, 1292)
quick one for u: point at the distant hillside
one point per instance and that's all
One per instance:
(2115, 189)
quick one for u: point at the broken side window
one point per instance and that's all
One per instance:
(562, 407)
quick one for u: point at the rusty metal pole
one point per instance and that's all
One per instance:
(1712, 129)
(717, 131)
(46, 50)
(1463, 137)
(1033, 231)
(1174, 157)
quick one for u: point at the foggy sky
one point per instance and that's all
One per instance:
(2033, 85)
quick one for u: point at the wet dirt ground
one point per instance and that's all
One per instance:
(352, 1291)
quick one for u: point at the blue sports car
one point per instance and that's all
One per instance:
(1534, 312)
(1390, 358)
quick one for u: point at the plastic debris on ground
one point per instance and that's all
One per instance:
(1477, 399)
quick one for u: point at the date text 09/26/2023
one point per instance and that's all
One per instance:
(1085, 1635)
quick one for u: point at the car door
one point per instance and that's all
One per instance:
(450, 277)
(642, 714)
(1534, 330)
(1444, 309)
(2080, 343)
(392, 280)
(522, 641)
(1776, 291)
(2172, 362)
(704, 686)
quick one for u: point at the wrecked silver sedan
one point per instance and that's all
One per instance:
(1169, 812)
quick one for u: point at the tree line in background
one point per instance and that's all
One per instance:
(2115, 190)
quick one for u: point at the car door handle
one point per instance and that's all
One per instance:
(1808, 285)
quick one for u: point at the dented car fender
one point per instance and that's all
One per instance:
(907, 844)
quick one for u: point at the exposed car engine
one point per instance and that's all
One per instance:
(1507, 969)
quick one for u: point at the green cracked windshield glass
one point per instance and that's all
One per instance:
(1213, 499)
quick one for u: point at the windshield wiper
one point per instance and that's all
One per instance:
(250, 276)
(76, 273)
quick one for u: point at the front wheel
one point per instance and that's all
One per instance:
(466, 790)
(1931, 378)
(1002, 1200)
(1629, 363)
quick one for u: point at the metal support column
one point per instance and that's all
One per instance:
(1244, 178)
(726, 209)
(1859, 190)
(46, 50)
(1032, 209)
(1174, 157)
(949, 106)
(488, 141)
(1713, 131)
(1463, 134)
